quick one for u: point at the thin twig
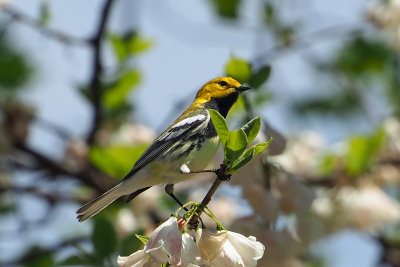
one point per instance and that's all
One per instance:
(52, 33)
(307, 40)
(97, 71)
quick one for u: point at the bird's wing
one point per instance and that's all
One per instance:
(169, 137)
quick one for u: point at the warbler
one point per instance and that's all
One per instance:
(184, 147)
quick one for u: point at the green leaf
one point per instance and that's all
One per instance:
(250, 154)
(37, 257)
(341, 103)
(117, 94)
(220, 126)
(261, 147)
(239, 107)
(252, 128)
(138, 45)
(235, 145)
(227, 8)
(115, 160)
(142, 238)
(44, 14)
(128, 45)
(260, 77)
(243, 160)
(361, 152)
(104, 237)
(361, 55)
(15, 70)
(119, 47)
(328, 164)
(239, 69)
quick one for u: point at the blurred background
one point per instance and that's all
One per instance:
(85, 86)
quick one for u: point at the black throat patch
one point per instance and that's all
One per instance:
(222, 105)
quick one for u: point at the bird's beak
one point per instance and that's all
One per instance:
(241, 89)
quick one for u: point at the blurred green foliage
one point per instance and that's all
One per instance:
(328, 164)
(15, 69)
(115, 160)
(362, 150)
(116, 95)
(128, 44)
(244, 72)
(361, 56)
(339, 103)
(283, 31)
(104, 238)
(44, 13)
(239, 69)
(227, 8)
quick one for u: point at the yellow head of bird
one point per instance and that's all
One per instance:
(219, 88)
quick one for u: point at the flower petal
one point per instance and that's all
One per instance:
(134, 260)
(249, 249)
(211, 244)
(228, 257)
(169, 237)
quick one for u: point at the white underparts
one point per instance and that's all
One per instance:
(184, 169)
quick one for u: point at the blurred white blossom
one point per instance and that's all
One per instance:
(366, 207)
(4, 3)
(133, 134)
(385, 14)
(302, 155)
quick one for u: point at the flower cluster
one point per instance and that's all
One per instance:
(168, 244)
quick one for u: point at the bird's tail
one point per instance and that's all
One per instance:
(96, 205)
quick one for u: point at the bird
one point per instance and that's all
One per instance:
(185, 147)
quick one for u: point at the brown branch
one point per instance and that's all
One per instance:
(90, 176)
(97, 71)
(221, 176)
(52, 198)
(52, 33)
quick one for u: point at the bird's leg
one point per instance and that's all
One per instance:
(185, 170)
(219, 172)
(169, 189)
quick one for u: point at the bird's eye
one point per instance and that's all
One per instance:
(223, 83)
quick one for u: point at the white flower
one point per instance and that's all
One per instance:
(138, 259)
(195, 248)
(164, 242)
(190, 253)
(225, 248)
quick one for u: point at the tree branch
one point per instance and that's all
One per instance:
(221, 176)
(52, 33)
(97, 71)
(91, 176)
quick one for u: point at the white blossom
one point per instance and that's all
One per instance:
(164, 242)
(195, 248)
(225, 248)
